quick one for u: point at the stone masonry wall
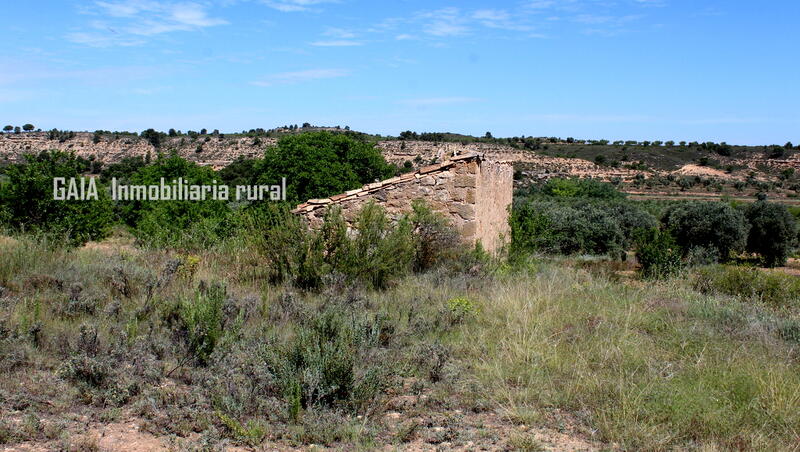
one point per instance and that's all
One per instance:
(493, 202)
(472, 192)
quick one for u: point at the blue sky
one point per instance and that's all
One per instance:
(613, 69)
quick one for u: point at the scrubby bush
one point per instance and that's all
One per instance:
(773, 288)
(376, 252)
(123, 170)
(293, 251)
(563, 229)
(323, 364)
(568, 216)
(657, 253)
(203, 321)
(713, 225)
(773, 232)
(630, 217)
(434, 237)
(242, 171)
(380, 250)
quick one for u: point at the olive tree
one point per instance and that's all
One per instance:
(773, 232)
(715, 226)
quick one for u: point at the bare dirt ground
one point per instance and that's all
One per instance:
(697, 170)
(421, 431)
(411, 424)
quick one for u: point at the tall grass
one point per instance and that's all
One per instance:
(646, 367)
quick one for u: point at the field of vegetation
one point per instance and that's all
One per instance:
(606, 324)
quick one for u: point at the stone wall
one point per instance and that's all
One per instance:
(474, 193)
(494, 197)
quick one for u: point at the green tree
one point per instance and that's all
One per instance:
(28, 127)
(123, 169)
(242, 171)
(320, 164)
(715, 226)
(8, 128)
(152, 137)
(28, 199)
(773, 232)
(184, 223)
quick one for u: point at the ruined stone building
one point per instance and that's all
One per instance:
(474, 193)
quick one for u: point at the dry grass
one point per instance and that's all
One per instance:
(635, 366)
(648, 367)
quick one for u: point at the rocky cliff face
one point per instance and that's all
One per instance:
(211, 150)
(219, 151)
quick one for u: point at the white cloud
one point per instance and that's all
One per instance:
(336, 43)
(291, 6)
(126, 22)
(491, 15)
(541, 4)
(290, 78)
(502, 19)
(340, 33)
(339, 38)
(444, 22)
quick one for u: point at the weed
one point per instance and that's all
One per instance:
(203, 319)
(525, 442)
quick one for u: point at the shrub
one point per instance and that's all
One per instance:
(774, 288)
(630, 217)
(434, 237)
(122, 170)
(461, 308)
(377, 252)
(323, 363)
(202, 319)
(657, 253)
(713, 225)
(242, 171)
(773, 232)
(292, 251)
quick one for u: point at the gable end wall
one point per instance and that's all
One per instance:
(474, 194)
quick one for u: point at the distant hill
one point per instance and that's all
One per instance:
(663, 169)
